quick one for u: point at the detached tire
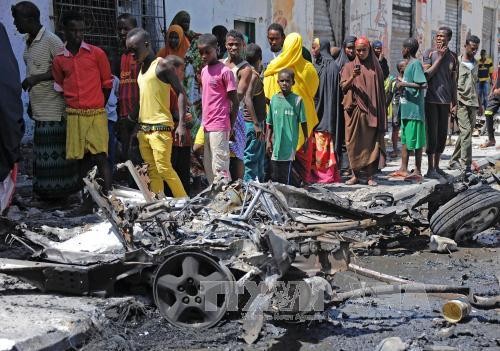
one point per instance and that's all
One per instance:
(467, 214)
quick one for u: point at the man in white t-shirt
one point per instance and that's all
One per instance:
(275, 37)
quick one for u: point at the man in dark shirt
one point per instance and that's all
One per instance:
(440, 65)
(377, 48)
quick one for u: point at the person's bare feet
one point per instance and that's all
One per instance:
(414, 177)
(487, 144)
(372, 182)
(352, 181)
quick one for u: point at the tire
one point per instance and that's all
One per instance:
(467, 214)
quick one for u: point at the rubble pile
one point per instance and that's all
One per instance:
(253, 248)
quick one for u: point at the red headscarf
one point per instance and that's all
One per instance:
(362, 41)
(183, 43)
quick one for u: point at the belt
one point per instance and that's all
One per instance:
(85, 111)
(147, 128)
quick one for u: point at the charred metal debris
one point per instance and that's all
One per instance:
(253, 248)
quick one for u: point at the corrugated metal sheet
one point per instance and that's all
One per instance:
(487, 40)
(451, 19)
(401, 30)
(322, 25)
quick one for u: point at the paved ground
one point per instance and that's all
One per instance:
(30, 320)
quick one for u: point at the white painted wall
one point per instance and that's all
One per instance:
(18, 43)
(209, 13)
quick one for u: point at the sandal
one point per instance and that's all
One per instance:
(398, 174)
(487, 144)
(414, 177)
(352, 181)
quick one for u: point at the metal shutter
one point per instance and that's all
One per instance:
(487, 39)
(451, 20)
(401, 30)
(322, 25)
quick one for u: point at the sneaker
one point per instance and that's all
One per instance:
(432, 174)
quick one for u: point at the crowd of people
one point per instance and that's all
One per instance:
(278, 112)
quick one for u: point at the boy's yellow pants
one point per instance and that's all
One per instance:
(156, 151)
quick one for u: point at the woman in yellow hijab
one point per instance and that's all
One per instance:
(306, 84)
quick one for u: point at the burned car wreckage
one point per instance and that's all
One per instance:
(256, 247)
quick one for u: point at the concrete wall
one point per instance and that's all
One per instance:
(18, 43)
(295, 15)
(374, 19)
(370, 18)
(433, 13)
(209, 13)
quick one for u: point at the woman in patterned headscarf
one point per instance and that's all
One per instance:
(362, 82)
(325, 167)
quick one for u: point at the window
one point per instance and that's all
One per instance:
(247, 28)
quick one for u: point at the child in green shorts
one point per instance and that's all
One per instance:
(412, 112)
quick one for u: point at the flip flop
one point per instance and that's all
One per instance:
(414, 177)
(487, 144)
(398, 174)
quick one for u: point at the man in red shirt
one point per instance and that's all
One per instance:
(128, 96)
(83, 74)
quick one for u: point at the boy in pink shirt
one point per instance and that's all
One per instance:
(219, 109)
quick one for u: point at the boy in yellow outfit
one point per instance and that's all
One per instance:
(156, 77)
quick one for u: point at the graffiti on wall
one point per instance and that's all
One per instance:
(283, 13)
(295, 16)
(371, 20)
(421, 26)
(467, 6)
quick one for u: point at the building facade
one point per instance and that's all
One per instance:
(392, 21)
